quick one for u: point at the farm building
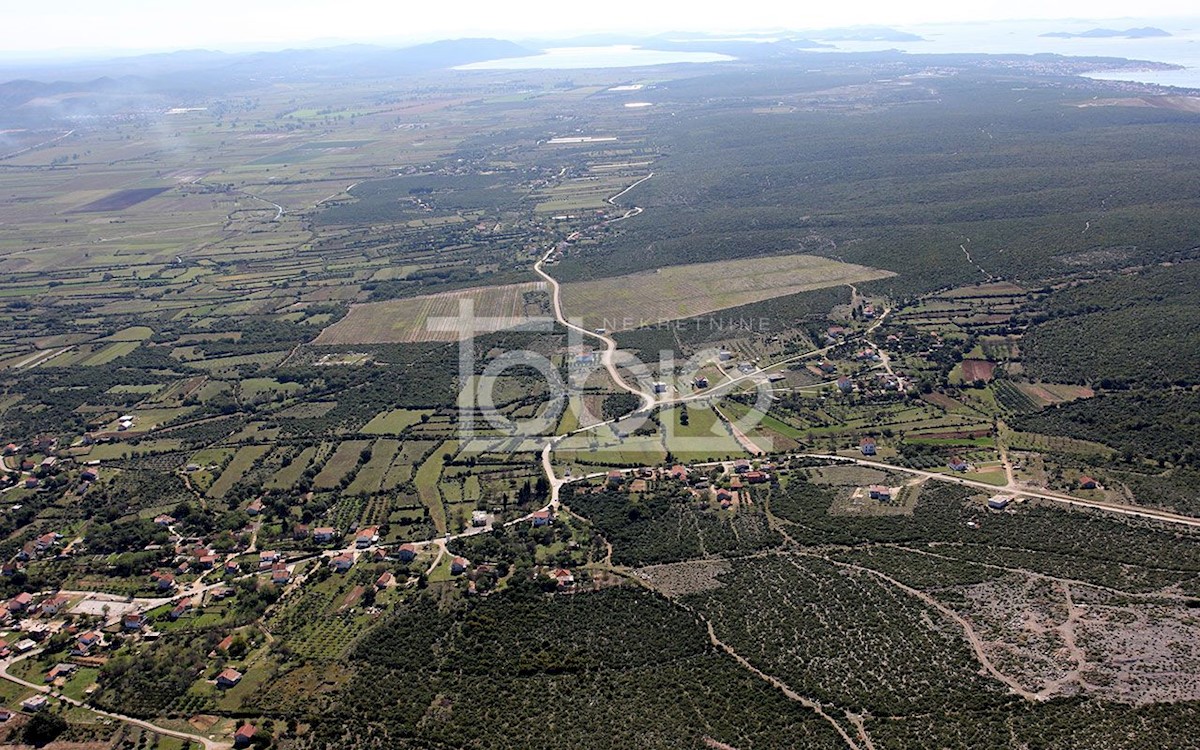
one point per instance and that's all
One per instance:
(999, 502)
(880, 492)
(957, 463)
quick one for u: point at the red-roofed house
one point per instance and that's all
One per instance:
(20, 602)
(867, 446)
(228, 678)
(1087, 483)
(458, 565)
(244, 735)
(366, 537)
(406, 553)
(563, 577)
(52, 605)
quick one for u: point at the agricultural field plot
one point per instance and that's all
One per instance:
(676, 292)
(370, 477)
(340, 464)
(289, 475)
(395, 421)
(428, 480)
(703, 438)
(416, 318)
(580, 194)
(237, 467)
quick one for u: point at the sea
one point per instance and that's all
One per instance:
(1012, 37)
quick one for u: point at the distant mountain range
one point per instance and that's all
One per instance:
(1146, 32)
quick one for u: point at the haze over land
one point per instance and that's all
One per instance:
(677, 385)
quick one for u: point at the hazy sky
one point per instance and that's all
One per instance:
(103, 25)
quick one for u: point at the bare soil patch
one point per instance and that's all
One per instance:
(683, 578)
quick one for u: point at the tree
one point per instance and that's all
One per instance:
(44, 728)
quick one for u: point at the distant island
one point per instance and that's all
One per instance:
(865, 34)
(1146, 32)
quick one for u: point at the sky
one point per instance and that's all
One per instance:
(65, 26)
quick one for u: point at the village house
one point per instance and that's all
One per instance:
(133, 621)
(1087, 483)
(164, 520)
(244, 735)
(299, 532)
(999, 502)
(741, 466)
(384, 580)
(342, 562)
(867, 446)
(406, 553)
(957, 463)
(458, 565)
(232, 568)
(280, 574)
(181, 608)
(55, 603)
(541, 518)
(46, 541)
(225, 644)
(267, 558)
(880, 492)
(34, 703)
(479, 518)
(20, 602)
(563, 578)
(845, 384)
(89, 475)
(228, 678)
(615, 478)
(62, 669)
(86, 642)
(756, 477)
(324, 534)
(366, 537)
